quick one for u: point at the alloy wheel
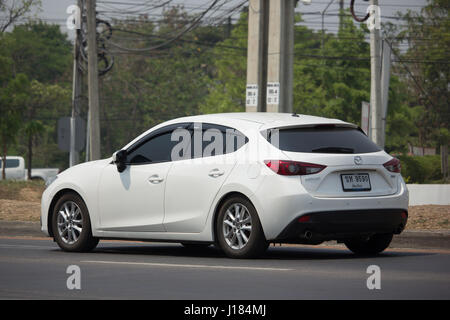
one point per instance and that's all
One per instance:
(70, 222)
(237, 226)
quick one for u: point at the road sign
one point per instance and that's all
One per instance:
(64, 133)
(251, 99)
(273, 93)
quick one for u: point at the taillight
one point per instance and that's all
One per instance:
(305, 218)
(393, 165)
(293, 168)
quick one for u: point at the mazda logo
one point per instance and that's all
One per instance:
(358, 160)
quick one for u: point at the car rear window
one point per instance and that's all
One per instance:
(322, 139)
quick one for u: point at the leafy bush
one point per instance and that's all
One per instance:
(421, 169)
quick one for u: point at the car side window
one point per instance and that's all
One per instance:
(10, 163)
(156, 148)
(217, 140)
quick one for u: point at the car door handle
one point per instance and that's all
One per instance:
(155, 179)
(215, 173)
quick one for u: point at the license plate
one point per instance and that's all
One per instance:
(356, 182)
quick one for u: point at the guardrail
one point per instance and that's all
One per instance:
(421, 194)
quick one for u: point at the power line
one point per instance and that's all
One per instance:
(244, 49)
(193, 25)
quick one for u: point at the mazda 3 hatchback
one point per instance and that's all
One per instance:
(236, 180)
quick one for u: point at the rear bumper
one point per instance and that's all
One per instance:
(314, 228)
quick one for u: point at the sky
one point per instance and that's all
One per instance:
(55, 10)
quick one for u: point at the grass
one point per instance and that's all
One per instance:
(444, 223)
(10, 189)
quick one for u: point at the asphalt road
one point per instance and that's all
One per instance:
(36, 269)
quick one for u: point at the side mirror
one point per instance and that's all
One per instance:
(120, 159)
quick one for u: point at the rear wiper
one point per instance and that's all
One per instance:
(333, 150)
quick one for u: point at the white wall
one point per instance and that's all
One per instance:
(420, 194)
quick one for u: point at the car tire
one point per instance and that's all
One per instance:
(242, 237)
(369, 246)
(71, 224)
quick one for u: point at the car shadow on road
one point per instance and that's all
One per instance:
(161, 249)
(273, 253)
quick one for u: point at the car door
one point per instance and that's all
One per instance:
(133, 200)
(193, 184)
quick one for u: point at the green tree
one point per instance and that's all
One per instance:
(38, 50)
(44, 55)
(12, 97)
(227, 83)
(42, 99)
(426, 66)
(147, 87)
(334, 81)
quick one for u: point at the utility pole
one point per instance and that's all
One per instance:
(385, 79)
(322, 47)
(323, 24)
(341, 14)
(258, 23)
(76, 92)
(375, 86)
(280, 56)
(93, 114)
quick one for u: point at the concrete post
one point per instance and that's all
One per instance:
(375, 87)
(385, 79)
(94, 117)
(258, 20)
(280, 56)
(76, 92)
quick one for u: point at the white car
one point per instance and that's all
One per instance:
(237, 180)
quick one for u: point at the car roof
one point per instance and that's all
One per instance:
(262, 120)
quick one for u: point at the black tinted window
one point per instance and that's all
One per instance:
(157, 149)
(323, 140)
(10, 163)
(217, 140)
(177, 142)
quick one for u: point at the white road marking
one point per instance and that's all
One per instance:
(149, 264)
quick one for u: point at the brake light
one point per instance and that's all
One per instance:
(393, 165)
(293, 168)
